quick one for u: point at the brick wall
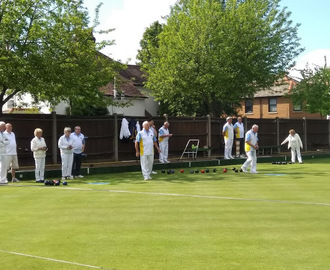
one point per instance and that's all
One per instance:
(284, 110)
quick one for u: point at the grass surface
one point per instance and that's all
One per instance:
(278, 219)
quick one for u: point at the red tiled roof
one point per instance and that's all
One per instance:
(133, 73)
(127, 83)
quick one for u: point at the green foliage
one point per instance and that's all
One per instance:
(48, 50)
(212, 54)
(313, 91)
(149, 42)
(87, 109)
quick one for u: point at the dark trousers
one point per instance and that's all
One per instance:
(77, 159)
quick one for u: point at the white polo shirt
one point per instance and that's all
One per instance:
(11, 148)
(229, 131)
(79, 141)
(146, 141)
(163, 131)
(251, 137)
(239, 129)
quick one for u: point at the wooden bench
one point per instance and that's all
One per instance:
(268, 148)
(205, 150)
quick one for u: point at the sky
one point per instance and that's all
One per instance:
(130, 18)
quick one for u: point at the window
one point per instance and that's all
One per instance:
(272, 107)
(297, 107)
(249, 106)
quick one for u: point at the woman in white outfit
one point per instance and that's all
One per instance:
(39, 148)
(65, 143)
(295, 143)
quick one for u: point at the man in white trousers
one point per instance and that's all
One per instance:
(66, 144)
(251, 146)
(144, 147)
(228, 134)
(163, 137)
(12, 160)
(3, 160)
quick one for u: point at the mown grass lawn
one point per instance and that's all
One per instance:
(278, 219)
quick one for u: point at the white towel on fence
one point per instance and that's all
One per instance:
(124, 130)
(138, 128)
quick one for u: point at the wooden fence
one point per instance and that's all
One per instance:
(103, 143)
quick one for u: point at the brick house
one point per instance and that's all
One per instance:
(275, 102)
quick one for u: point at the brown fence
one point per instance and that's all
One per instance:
(103, 142)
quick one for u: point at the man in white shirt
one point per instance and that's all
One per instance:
(152, 128)
(239, 137)
(3, 161)
(228, 134)
(251, 146)
(11, 152)
(144, 147)
(78, 149)
(163, 137)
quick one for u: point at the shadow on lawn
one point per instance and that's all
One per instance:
(137, 178)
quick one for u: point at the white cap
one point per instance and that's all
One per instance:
(229, 117)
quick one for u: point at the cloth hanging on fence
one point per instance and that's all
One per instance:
(134, 128)
(138, 127)
(124, 130)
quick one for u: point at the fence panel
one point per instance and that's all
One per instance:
(100, 144)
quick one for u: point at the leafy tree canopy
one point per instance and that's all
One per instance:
(48, 50)
(313, 91)
(210, 54)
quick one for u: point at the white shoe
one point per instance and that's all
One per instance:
(71, 177)
(80, 176)
(226, 157)
(253, 172)
(63, 178)
(154, 172)
(161, 161)
(146, 178)
(243, 169)
(149, 178)
(231, 157)
(242, 156)
(14, 180)
(167, 161)
(4, 183)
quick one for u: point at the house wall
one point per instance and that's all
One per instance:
(137, 108)
(284, 110)
(151, 106)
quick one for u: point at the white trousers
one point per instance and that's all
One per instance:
(251, 161)
(295, 151)
(228, 148)
(40, 168)
(163, 146)
(67, 160)
(147, 162)
(3, 169)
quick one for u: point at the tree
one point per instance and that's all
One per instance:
(313, 91)
(149, 42)
(48, 50)
(211, 54)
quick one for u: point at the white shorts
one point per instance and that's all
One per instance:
(12, 162)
